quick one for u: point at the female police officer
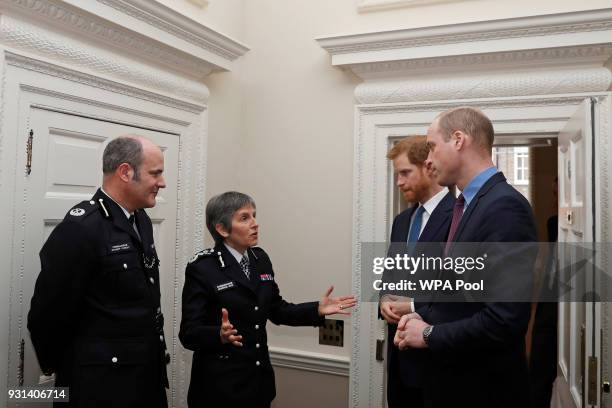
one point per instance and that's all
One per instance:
(235, 281)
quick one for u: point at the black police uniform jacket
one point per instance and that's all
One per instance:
(223, 373)
(95, 315)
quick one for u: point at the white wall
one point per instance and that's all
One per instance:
(298, 124)
(224, 16)
(281, 128)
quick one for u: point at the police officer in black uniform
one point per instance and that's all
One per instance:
(95, 317)
(229, 294)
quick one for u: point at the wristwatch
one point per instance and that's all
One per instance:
(426, 333)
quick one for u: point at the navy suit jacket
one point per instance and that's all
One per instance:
(478, 349)
(411, 362)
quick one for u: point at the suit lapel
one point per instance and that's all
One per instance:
(255, 268)
(438, 219)
(145, 230)
(404, 226)
(496, 178)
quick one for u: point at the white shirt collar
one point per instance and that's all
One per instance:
(433, 202)
(235, 253)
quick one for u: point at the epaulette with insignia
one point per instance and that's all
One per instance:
(201, 254)
(81, 210)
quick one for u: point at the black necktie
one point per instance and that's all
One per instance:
(244, 264)
(132, 221)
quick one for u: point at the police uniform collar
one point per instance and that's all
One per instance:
(231, 266)
(113, 211)
(126, 212)
(235, 253)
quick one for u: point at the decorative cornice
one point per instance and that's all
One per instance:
(536, 26)
(544, 82)
(377, 5)
(493, 103)
(309, 361)
(60, 49)
(168, 20)
(139, 28)
(98, 82)
(578, 40)
(595, 55)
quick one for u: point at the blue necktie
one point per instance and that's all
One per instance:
(415, 228)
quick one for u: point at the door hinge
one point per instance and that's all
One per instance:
(29, 147)
(593, 391)
(21, 360)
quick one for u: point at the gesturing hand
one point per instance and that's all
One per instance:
(227, 332)
(329, 305)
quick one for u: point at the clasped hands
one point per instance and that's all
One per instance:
(410, 326)
(409, 332)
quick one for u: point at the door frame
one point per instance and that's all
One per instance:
(375, 126)
(29, 81)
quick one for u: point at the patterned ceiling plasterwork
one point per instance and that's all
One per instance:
(364, 6)
(119, 34)
(550, 54)
(31, 39)
(167, 21)
(469, 32)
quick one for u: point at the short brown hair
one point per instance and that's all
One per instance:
(415, 147)
(470, 121)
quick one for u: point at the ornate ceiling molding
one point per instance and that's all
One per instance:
(545, 82)
(168, 20)
(29, 38)
(140, 28)
(377, 5)
(557, 53)
(98, 82)
(513, 28)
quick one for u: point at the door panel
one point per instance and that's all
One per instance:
(576, 325)
(67, 169)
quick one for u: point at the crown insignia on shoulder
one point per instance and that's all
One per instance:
(203, 253)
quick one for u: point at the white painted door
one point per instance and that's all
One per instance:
(576, 385)
(66, 169)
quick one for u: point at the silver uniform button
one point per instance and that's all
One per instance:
(256, 308)
(257, 345)
(92, 202)
(161, 338)
(256, 326)
(124, 266)
(114, 359)
(152, 280)
(257, 363)
(159, 310)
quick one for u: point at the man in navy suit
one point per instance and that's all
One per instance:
(427, 221)
(477, 348)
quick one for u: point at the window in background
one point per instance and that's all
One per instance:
(521, 165)
(514, 163)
